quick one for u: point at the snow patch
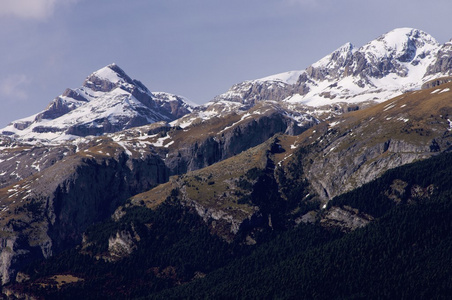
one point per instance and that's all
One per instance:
(389, 107)
(280, 162)
(122, 144)
(161, 141)
(169, 144)
(290, 77)
(332, 124)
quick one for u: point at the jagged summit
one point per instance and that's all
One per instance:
(106, 78)
(402, 43)
(398, 61)
(108, 101)
(339, 56)
(387, 54)
(112, 73)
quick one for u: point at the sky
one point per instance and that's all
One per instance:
(194, 48)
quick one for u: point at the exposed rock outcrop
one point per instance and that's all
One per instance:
(436, 82)
(346, 218)
(443, 61)
(122, 244)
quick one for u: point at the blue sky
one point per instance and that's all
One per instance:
(194, 48)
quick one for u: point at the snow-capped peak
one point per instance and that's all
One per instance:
(400, 60)
(108, 101)
(112, 73)
(290, 77)
(107, 78)
(339, 56)
(404, 44)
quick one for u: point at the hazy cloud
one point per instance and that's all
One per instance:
(30, 9)
(12, 87)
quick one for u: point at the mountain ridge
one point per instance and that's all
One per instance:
(352, 75)
(108, 101)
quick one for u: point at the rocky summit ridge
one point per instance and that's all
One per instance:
(401, 60)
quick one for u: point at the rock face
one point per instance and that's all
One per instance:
(443, 62)
(251, 129)
(234, 142)
(346, 218)
(251, 92)
(98, 187)
(57, 206)
(352, 167)
(122, 244)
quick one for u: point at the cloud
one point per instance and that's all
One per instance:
(30, 9)
(12, 87)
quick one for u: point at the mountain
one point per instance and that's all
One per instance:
(108, 101)
(401, 60)
(273, 179)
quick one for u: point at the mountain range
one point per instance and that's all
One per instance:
(111, 175)
(402, 60)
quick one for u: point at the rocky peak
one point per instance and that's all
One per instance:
(107, 79)
(402, 43)
(397, 51)
(332, 66)
(108, 101)
(443, 61)
(387, 54)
